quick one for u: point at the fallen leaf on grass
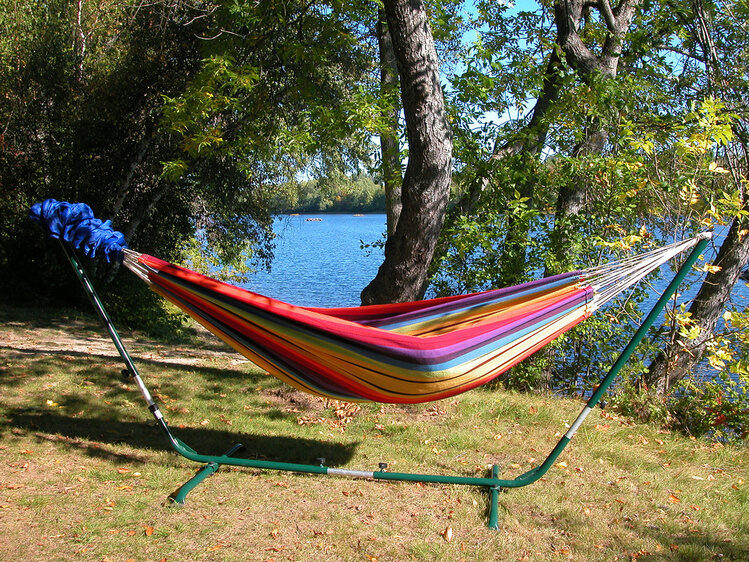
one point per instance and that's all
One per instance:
(123, 470)
(603, 427)
(562, 464)
(447, 534)
(673, 499)
(26, 451)
(148, 531)
(205, 422)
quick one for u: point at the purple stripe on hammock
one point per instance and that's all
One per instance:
(469, 300)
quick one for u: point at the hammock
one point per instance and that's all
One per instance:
(406, 352)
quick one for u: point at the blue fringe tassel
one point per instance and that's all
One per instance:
(75, 223)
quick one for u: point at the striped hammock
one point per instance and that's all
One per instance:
(400, 353)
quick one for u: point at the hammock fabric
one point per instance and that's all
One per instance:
(404, 353)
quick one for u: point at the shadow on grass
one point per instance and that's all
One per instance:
(89, 433)
(209, 373)
(85, 323)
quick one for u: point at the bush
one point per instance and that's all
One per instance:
(718, 408)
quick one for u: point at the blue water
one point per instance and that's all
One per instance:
(321, 262)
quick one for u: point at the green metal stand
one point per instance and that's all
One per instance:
(493, 484)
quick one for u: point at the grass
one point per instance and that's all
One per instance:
(86, 472)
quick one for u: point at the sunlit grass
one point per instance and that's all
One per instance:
(87, 472)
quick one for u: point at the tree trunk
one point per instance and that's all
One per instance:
(426, 184)
(570, 203)
(681, 355)
(391, 162)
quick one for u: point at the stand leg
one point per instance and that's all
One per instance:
(177, 497)
(494, 501)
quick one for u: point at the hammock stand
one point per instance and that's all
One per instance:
(493, 484)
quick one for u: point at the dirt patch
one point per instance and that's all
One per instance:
(290, 399)
(88, 336)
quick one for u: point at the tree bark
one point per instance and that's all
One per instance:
(389, 146)
(426, 184)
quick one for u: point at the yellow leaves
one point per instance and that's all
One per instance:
(709, 268)
(714, 168)
(52, 404)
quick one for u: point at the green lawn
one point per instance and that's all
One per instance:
(86, 472)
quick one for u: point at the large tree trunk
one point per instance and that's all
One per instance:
(426, 185)
(391, 162)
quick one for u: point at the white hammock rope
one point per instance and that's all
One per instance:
(608, 280)
(614, 278)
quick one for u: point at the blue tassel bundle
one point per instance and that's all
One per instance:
(75, 223)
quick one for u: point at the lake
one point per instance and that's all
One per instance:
(319, 261)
